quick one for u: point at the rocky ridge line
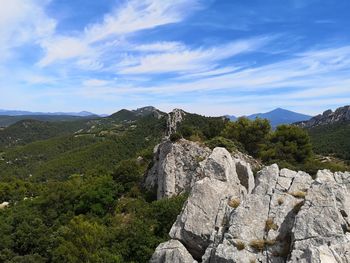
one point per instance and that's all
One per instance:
(230, 216)
(328, 117)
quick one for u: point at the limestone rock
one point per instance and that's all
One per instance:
(245, 175)
(198, 218)
(175, 167)
(266, 180)
(171, 252)
(230, 216)
(328, 117)
(174, 118)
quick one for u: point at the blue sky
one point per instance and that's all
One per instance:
(213, 57)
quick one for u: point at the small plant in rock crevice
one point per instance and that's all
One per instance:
(298, 194)
(240, 245)
(269, 224)
(234, 202)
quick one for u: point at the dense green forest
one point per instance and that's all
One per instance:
(6, 121)
(333, 139)
(75, 188)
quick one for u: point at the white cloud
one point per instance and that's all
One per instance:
(106, 36)
(23, 22)
(95, 82)
(63, 48)
(138, 15)
(189, 60)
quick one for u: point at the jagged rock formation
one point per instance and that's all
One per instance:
(280, 216)
(174, 118)
(149, 110)
(172, 251)
(328, 117)
(175, 168)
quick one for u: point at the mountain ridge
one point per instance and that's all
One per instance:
(280, 116)
(4, 112)
(340, 115)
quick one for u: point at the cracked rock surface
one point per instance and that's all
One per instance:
(232, 216)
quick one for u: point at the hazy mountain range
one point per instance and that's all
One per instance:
(276, 117)
(24, 113)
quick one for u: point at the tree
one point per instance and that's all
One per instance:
(82, 240)
(251, 134)
(288, 143)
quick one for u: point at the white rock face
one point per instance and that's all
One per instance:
(230, 216)
(174, 118)
(175, 167)
(207, 203)
(245, 175)
(172, 251)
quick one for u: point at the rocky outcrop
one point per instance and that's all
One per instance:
(278, 216)
(174, 118)
(328, 117)
(172, 251)
(176, 167)
(206, 206)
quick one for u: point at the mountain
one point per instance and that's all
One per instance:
(6, 120)
(99, 190)
(132, 115)
(231, 117)
(280, 116)
(24, 113)
(329, 132)
(340, 115)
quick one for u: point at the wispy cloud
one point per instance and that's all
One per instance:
(135, 54)
(131, 17)
(22, 22)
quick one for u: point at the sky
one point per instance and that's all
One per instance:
(213, 57)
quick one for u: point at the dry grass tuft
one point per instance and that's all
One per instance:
(240, 245)
(234, 203)
(269, 224)
(261, 244)
(258, 244)
(298, 194)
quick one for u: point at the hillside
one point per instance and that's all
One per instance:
(6, 121)
(329, 132)
(280, 116)
(26, 131)
(332, 139)
(340, 115)
(101, 191)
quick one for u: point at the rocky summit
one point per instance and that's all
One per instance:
(278, 215)
(340, 115)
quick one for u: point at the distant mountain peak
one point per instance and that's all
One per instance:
(280, 116)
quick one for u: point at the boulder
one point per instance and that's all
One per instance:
(175, 168)
(171, 251)
(199, 216)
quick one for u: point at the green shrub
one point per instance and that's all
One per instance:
(175, 137)
(251, 134)
(221, 142)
